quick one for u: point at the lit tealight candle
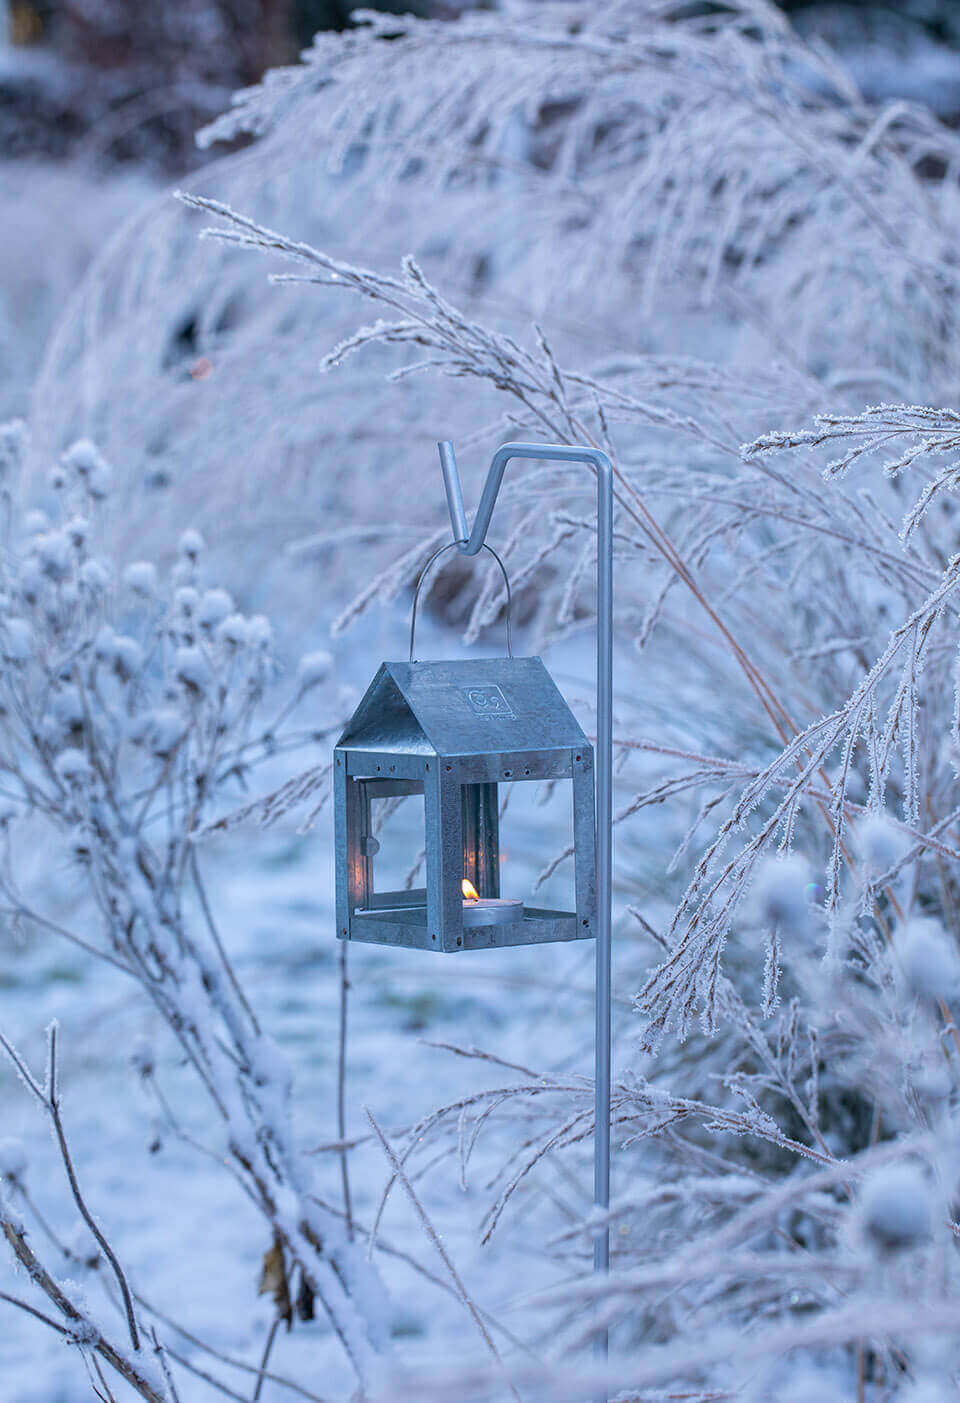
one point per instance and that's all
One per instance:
(488, 910)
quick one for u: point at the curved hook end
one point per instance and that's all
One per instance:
(451, 483)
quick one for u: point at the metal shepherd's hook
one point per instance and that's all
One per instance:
(471, 542)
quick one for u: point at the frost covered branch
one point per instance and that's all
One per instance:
(118, 747)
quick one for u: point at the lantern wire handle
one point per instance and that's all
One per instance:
(423, 575)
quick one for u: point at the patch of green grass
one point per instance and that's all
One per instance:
(421, 1007)
(63, 974)
(407, 1328)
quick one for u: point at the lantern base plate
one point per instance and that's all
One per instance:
(407, 926)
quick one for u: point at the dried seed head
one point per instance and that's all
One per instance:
(782, 891)
(880, 842)
(895, 1207)
(928, 959)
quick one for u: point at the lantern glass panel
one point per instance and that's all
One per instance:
(398, 827)
(536, 827)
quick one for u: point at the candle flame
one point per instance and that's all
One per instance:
(469, 890)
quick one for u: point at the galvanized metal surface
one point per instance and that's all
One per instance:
(472, 706)
(385, 721)
(409, 927)
(521, 764)
(476, 539)
(461, 839)
(372, 764)
(404, 739)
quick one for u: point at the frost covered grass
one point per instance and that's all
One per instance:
(56, 219)
(688, 239)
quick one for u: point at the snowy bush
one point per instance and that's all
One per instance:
(679, 233)
(127, 716)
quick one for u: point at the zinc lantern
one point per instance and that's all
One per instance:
(454, 732)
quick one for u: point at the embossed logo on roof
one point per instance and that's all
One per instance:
(488, 701)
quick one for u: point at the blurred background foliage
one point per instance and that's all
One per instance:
(152, 73)
(136, 81)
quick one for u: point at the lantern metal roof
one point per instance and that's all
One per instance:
(472, 706)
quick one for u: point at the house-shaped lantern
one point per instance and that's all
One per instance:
(453, 732)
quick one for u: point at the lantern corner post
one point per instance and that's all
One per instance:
(584, 838)
(342, 822)
(443, 817)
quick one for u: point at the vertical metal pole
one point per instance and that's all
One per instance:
(601, 1164)
(566, 453)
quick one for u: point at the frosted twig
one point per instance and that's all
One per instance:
(51, 1103)
(161, 1354)
(77, 1321)
(343, 1149)
(265, 1358)
(442, 1252)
